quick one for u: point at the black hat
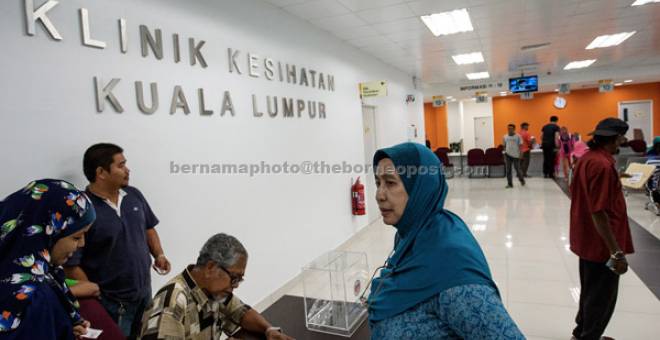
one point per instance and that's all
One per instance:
(610, 127)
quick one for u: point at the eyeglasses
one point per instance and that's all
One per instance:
(234, 279)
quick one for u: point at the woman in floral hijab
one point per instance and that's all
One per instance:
(41, 226)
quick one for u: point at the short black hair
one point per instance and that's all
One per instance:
(511, 125)
(598, 142)
(99, 155)
(554, 119)
(524, 124)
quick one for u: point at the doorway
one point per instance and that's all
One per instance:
(638, 115)
(370, 147)
(483, 132)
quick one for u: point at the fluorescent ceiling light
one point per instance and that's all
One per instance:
(478, 75)
(446, 23)
(610, 40)
(556, 90)
(628, 81)
(643, 2)
(618, 84)
(479, 227)
(502, 93)
(579, 64)
(468, 58)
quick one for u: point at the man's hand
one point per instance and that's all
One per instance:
(162, 265)
(277, 335)
(620, 266)
(85, 289)
(80, 329)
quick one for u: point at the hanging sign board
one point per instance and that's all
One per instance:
(438, 101)
(605, 85)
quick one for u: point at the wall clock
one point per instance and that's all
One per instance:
(560, 102)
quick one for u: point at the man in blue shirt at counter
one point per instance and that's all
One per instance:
(120, 243)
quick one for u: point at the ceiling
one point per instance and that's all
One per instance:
(392, 31)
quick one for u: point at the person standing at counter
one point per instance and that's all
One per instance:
(549, 134)
(121, 242)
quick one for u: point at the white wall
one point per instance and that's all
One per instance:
(48, 119)
(454, 131)
(470, 110)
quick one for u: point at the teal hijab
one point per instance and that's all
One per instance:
(651, 150)
(434, 250)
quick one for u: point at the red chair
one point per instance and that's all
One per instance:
(476, 159)
(446, 163)
(637, 145)
(494, 157)
(92, 311)
(442, 149)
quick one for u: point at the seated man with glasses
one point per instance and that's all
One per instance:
(199, 303)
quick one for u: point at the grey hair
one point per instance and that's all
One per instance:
(222, 249)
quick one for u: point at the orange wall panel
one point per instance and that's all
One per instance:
(584, 108)
(435, 123)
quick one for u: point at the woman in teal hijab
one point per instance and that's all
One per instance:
(655, 149)
(436, 284)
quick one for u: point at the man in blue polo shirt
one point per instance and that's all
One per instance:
(120, 243)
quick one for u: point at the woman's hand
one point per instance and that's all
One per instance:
(85, 289)
(80, 329)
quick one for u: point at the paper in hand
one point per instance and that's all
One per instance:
(92, 333)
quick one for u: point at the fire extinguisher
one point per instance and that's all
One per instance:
(357, 198)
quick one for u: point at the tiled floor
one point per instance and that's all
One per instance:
(636, 202)
(524, 234)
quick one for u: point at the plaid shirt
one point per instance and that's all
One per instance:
(181, 310)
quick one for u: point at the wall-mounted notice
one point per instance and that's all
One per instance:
(373, 89)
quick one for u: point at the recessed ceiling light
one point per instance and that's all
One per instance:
(477, 75)
(628, 81)
(468, 58)
(579, 64)
(446, 23)
(618, 84)
(610, 40)
(643, 2)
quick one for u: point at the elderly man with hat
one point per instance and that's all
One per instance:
(599, 230)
